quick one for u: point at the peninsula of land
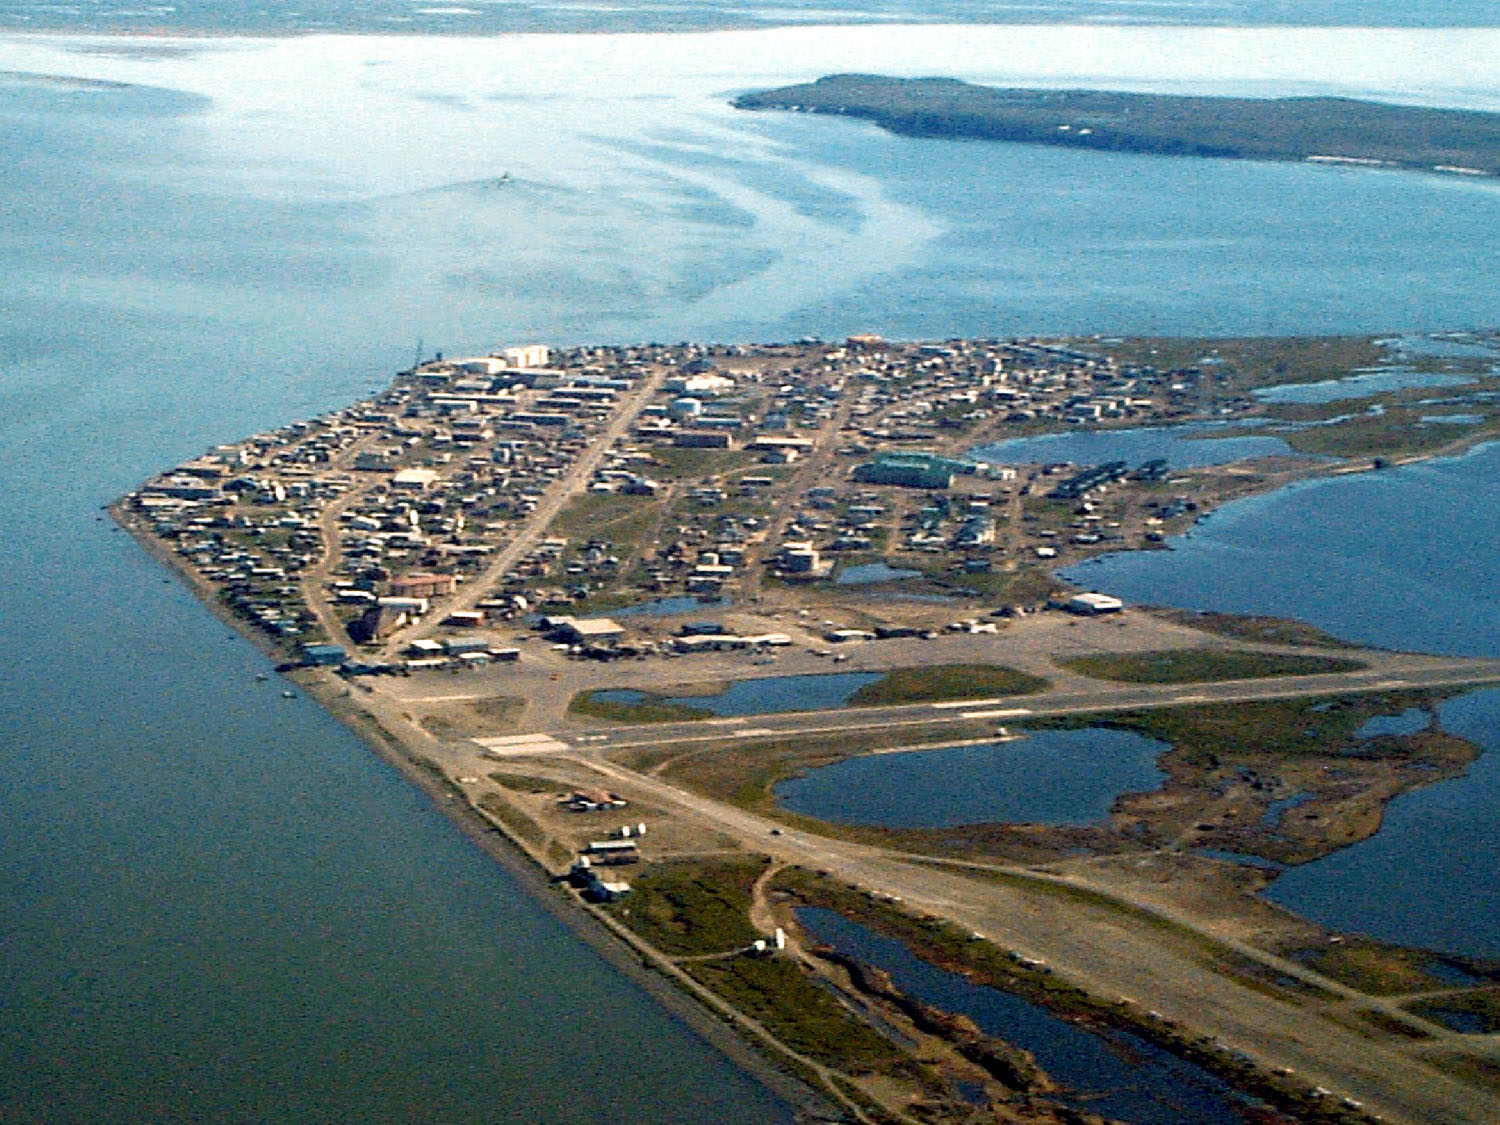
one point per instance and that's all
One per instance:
(528, 577)
(1317, 129)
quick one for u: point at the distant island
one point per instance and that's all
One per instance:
(1327, 130)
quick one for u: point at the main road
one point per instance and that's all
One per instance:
(1117, 953)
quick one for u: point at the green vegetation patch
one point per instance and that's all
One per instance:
(1374, 966)
(692, 908)
(595, 513)
(526, 783)
(1290, 727)
(513, 818)
(674, 463)
(806, 1017)
(1187, 666)
(1258, 629)
(648, 709)
(1395, 432)
(1168, 124)
(743, 772)
(946, 681)
(1475, 1013)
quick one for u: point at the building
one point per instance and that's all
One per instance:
(1091, 605)
(323, 656)
(414, 480)
(584, 630)
(422, 585)
(911, 470)
(526, 355)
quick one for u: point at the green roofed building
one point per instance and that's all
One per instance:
(911, 470)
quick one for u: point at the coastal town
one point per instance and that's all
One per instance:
(533, 578)
(479, 493)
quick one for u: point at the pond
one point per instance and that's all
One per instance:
(764, 696)
(1362, 384)
(1110, 1072)
(663, 607)
(870, 573)
(1181, 446)
(1046, 777)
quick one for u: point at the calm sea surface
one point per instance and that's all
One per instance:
(218, 905)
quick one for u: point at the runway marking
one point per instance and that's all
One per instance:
(516, 744)
(754, 732)
(965, 703)
(1012, 713)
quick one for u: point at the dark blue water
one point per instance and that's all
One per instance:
(1276, 811)
(1113, 1073)
(1410, 721)
(1431, 875)
(766, 696)
(1182, 446)
(1403, 558)
(1119, 244)
(665, 607)
(871, 573)
(1047, 777)
(217, 904)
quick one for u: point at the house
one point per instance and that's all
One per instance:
(422, 585)
(584, 630)
(1091, 605)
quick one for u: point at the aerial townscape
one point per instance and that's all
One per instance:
(709, 562)
(629, 611)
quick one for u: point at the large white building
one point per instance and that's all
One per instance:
(526, 355)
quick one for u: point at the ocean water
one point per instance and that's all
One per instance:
(484, 17)
(217, 905)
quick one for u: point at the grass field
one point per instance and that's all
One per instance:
(692, 908)
(650, 709)
(946, 681)
(1187, 666)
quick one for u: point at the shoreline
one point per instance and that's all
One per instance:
(643, 967)
(419, 752)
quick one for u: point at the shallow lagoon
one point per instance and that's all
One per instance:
(1361, 385)
(1045, 777)
(1431, 875)
(1109, 1072)
(1181, 446)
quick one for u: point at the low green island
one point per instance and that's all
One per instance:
(1319, 129)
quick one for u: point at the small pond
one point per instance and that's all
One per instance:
(1362, 384)
(1411, 721)
(1452, 419)
(1442, 347)
(869, 573)
(662, 607)
(1110, 1072)
(1181, 446)
(1047, 777)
